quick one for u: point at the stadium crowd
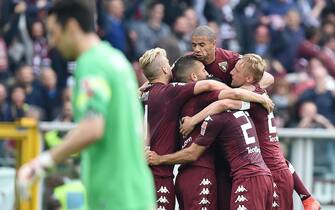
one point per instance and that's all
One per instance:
(297, 38)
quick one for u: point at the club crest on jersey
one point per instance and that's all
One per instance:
(223, 66)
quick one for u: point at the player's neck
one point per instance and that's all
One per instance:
(160, 80)
(211, 59)
(86, 42)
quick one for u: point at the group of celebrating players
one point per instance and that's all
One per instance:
(229, 150)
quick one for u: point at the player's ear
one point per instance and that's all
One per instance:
(193, 77)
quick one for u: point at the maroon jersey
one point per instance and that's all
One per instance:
(267, 135)
(236, 138)
(192, 107)
(164, 103)
(224, 63)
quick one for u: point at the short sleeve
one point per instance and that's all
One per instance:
(208, 133)
(93, 95)
(182, 91)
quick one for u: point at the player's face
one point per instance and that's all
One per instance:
(239, 76)
(60, 38)
(200, 71)
(203, 48)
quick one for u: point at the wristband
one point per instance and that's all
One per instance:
(245, 106)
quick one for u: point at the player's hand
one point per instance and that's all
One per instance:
(187, 125)
(267, 103)
(30, 172)
(152, 158)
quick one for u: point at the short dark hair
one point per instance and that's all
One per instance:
(182, 67)
(77, 9)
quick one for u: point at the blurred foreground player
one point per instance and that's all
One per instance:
(108, 113)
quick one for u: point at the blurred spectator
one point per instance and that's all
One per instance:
(152, 30)
(191, 15)
(289, 38)
(3, 102)
(114, 29)
(25, 78)
(174, 9)
(320, 94)
(309, 48)
(17, 107)
(50, 93)
(40, 47)
(66, 114)
(262, 42)
(309, 117)
(327, 54)
(182, 32)
(4, 66)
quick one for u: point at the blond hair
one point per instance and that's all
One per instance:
(150, 64)
(254, 64)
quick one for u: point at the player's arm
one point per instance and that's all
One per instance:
(246, 95)
(88, 131)
(266, 80)
(209, 85)
(189, 154)
(188, 123)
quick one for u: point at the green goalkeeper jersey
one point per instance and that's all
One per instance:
(113, 169)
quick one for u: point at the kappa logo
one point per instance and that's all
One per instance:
(205, 191)
(275, 204)
(240, 189)
(162, 199)
(203, 128)
(241, 207)
(161, 208)
(275, 195)
(204, 208)
(302, 196)
(205, 182)
(204, 201)
(274, 185)
(223, 66)
(163, 189)
(241, 198)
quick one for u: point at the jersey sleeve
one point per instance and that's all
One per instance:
(93, 95)
(182, 91)
(209, 131)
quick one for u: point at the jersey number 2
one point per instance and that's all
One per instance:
(245, 127)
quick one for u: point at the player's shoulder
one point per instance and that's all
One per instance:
(226, 54)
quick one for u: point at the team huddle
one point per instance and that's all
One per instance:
(221, 130)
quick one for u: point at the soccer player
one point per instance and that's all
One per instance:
(108, 112)
(163, 102)
(218, 62)
(236, 139)
(247, 73)
(196, 182)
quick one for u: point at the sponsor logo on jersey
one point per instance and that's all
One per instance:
(162, 199)
(240, 189)
(186, 142)
(275, 204)
(254, 149)
(223, 66)
(204, 201)
(205, 182)
(205, 191)
(240, 199)
(163, 189)
(161, 208)
(241, 207)
(178, 84)
(273, 138)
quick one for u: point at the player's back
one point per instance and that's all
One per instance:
(164, 103)
(267, 135)
(238, 142)
(192, 107)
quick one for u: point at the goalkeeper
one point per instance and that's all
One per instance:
(108, 113)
